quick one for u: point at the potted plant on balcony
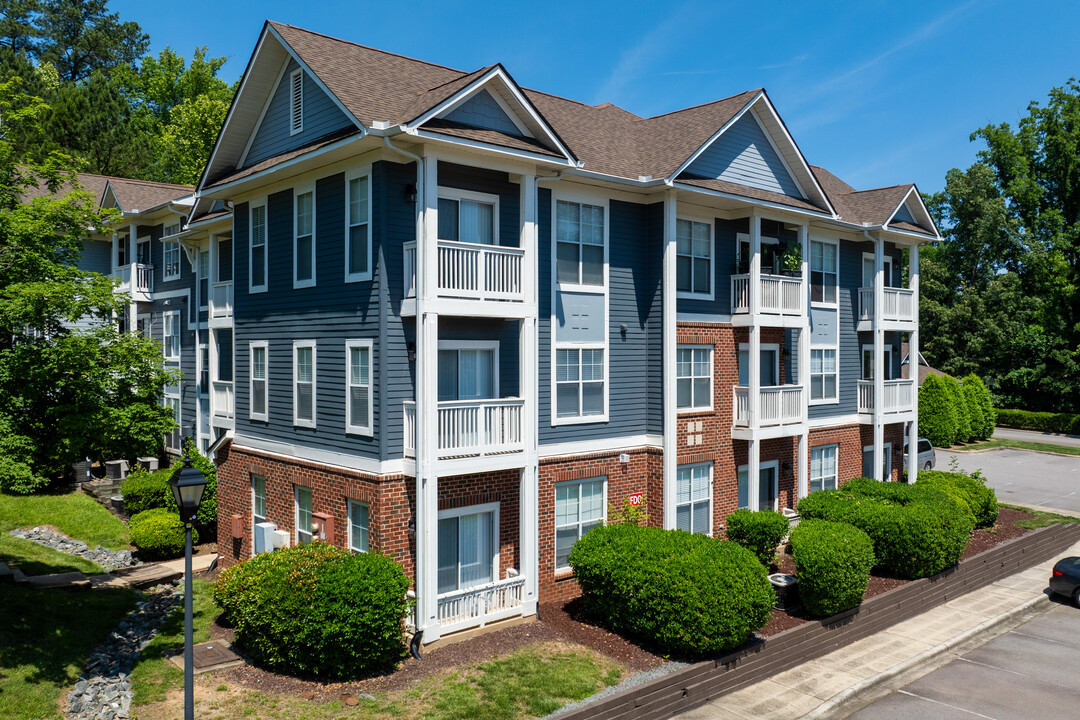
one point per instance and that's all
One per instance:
(790, 259)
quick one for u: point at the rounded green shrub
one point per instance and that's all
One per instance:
(833, 562)
(963, 419)
(759, 532)
(144, 491)
(158, 534)
(317, 610)
(973, 494)
(975, 411)
(937, 414)
(688, 594)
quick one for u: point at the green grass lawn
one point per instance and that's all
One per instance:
(45, 636)
(1042, 518)
(75, 514)
(1022, 445)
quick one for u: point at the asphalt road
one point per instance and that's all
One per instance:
(1029, 673)
(1050, 481)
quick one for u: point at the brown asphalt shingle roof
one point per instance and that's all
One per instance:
(865, 206)
(134, 195)
(94, 184)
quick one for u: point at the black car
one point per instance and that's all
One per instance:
(1065, 580)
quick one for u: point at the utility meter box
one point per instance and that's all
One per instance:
(326, 526)
(264, 537)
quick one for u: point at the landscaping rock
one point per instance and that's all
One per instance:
(108, 559)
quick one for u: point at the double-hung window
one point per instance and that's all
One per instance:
(693, 384)
(304, 239)
(172, 401)
(579, 382)
(358, 395)
(468, 547)
(468, 216)
(259, 355)
(257, 250)
(171, 253)
(358, 229)
(579, 243)
(693, 258)
(258, 499)
(359, 526)
(579, 507)
(204, 279)
(823, 272)
(171, 340)
(303, 514)
(693, 498)
(823, 374)
(823, 466)
(304, 383)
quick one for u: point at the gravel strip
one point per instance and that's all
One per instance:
(108, 559)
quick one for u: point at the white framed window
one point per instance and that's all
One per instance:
(358, 395)
(693, 259)
(580, 245)
(580, 386)
(468, 547)
(693, 498)
(580, 505)
(823, 467)
(257, 266)
(258, 499)
(823, 272)
(173, 438)
(694, 374)
(768, 485)
(303, 514)
(171, 229)
(259, 355)
(304, 383)
(823, 376)
(359, 526)
(204, 279)
(468, 370)
(296, 102)
(304, 238)
(868, 362)
(769, 374)
(886, 461)
(171, 337)
(171, 259)
(469, 217)
(357, 227)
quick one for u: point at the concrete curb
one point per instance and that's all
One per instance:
(983, 451)
(828, 708)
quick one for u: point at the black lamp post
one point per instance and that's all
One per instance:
(187, 486)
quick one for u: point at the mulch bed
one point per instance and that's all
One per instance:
(557, 621)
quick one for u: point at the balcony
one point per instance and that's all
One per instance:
(472, 428)
(477, 606)
(143, 276)
(779, 408)
(781, 298)
(221, 400)
(899, 397)
(221, 300)
(897, 312)
(472, 273)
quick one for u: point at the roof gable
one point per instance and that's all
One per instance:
(484, 111)
(744, 155)
(132, 196)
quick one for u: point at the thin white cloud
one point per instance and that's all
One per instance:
(789, 63)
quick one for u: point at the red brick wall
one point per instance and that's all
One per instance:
(852, 439)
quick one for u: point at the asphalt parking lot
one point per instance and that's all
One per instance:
(1050, 481)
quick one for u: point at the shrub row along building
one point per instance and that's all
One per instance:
(434, 314)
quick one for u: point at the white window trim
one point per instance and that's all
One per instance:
(775, 347)
(350, 429)
(690, 295)
(297, 192)
(869, 348)
(579, 419)
(492, 345)
(886, 455)
(775, 465)
(824, 401)
(496, 543)
(253, 515)
(741, 238)
(888, 267)
(204, 298)
(252, 205)
(712, 380)
(166, 346)
(580, 198)
(167, 246)
(836, 271)
(295, 128)
(297, 421)
(252, 346)
(691, 466)
(809, 475)
(364, 172)
(296, 511)
(603, 519)
(450, 193)
(348, 524)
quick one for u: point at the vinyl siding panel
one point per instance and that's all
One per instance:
(743, 155)
(397, 372)
(482, 111)
(96, 257)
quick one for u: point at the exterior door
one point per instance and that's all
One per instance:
(770, 369)
(467, 374)
(868, 271)
(767, 487)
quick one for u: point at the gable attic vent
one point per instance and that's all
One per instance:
(296, 102)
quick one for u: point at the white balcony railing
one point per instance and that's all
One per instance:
(779, 295)
(899, 397)
(472, 271)
(143, 275)
(221, 300)
(899, 305)
(472, 428)
(777, 405)
(222, 399)
(482, 604)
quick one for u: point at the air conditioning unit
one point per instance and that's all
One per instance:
(281, 539)
(264, 537)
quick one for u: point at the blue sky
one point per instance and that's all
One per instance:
(878, 92)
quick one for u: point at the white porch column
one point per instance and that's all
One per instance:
(669, 340)
(803, 366)
(132, 258)
(427, 379)
(753, 475)
(529, 504)
(753, 365)
(879, 352)
(913, 364)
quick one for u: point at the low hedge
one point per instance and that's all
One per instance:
(158, 534)
(759, 532)
(917, 531)
(1041, 421)
(688, 594)
(317, 610)
(978, 499)
(144, 491)
(833, 562)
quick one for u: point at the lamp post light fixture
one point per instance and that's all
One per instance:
(187, 486)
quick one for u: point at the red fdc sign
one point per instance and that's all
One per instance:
(636, 498)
